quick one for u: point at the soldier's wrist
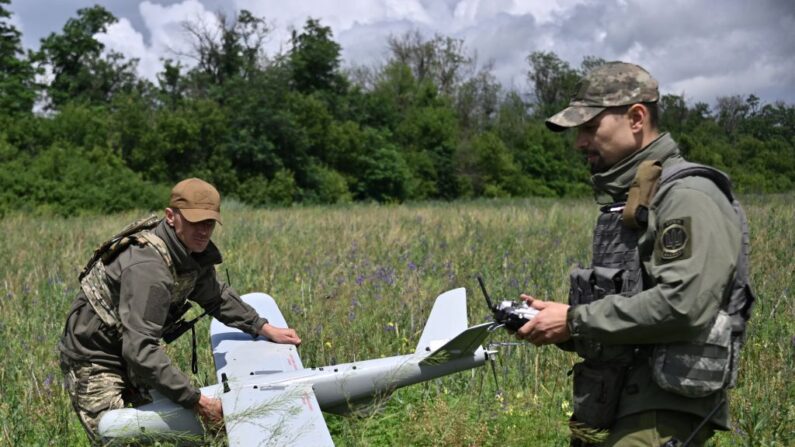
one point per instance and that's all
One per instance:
(259, 326)
(571, 321)
(193, 400)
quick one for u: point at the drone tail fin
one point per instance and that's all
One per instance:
(447, 320)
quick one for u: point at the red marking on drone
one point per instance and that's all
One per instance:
(307, 402)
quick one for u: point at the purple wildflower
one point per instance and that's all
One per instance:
(359, 280)
(448, 266)
(514, 283)
(54, 280)
(386, 274)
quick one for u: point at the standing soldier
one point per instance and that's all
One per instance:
(659, 317)
(134, 287)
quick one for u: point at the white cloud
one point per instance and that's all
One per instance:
(758, 79)
(166, 23)
(15, 21)
(168, 38)
(341, 17)
(366, 45)
(690, 46)
(544, 11)
(121, 37)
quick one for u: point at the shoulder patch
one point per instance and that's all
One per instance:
(674, 240)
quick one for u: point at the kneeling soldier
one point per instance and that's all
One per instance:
(136, 285)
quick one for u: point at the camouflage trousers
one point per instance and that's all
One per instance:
(655, 428)
(95, 389)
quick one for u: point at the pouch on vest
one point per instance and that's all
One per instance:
(96, 289)
(699, 367)
(597, 391)
(589, 285)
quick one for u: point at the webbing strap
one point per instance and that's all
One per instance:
(641, 191)
(687, 169)
(681, 369)
(194, 363)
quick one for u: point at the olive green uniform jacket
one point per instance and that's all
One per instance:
(140, 282)
(682, 296)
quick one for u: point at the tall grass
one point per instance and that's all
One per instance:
(358, 282)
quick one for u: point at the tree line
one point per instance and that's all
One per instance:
(80, 131)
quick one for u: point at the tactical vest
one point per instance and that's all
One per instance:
(95, 282)
(711, 362)
(615, 269)
(692, 369)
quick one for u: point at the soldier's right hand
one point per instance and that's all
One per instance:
(210, 410)
(548, 326)
(280, 335)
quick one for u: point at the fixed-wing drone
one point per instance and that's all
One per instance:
(269, 398)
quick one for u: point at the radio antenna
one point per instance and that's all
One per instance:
(485, 294)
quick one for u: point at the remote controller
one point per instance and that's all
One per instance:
(511, 314)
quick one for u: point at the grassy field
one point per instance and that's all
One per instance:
(358, 282)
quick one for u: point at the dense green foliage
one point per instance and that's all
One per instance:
(358, 281)
(296, 127)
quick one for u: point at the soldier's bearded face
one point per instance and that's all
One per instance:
(606, 140)
(194, 235)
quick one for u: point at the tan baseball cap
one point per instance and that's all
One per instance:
(197, 200)
(613, 84)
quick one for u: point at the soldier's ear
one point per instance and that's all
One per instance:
(170, 216)
(638, 115)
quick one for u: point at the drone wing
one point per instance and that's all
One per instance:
(258, 411)
(278, 415)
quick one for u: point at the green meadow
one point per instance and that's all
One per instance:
(358, 282)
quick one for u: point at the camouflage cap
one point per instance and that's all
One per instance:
(610, 85)
(197, 200)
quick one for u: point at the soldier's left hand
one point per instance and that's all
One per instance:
(280, 335)
(548, 326)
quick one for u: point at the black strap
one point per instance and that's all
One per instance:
(703, 422)
(687, 169)
(194, 363)
(674, 442)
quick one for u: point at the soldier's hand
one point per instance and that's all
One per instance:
(280, 335)
(210, 410)
(548, 326)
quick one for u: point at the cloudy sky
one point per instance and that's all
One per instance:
(700, 48)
